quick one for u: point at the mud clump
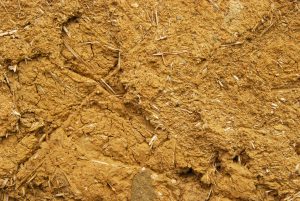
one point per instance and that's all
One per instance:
(149, 100)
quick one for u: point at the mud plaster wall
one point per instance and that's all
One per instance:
(149, 100)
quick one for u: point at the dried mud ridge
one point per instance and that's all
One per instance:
(149, 100)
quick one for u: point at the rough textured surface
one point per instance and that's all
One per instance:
(149, 100)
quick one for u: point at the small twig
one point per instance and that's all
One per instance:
(185, 110)
(8, 83)
(59, 195)
(161, 38)
(107, 86)
(3, 6)
(255, 27)
(156, 17)
(66, 31)
(108, 164)
(209, 194)
(72, 186)
(102, 80)
(8, 33)
(91, 42)
(162, 54)
(42, 138)
(66, 176)
(72, 51)
(154, 107)
(29, 180)
(56, 78)
(291, 198)
(26, 177)
(220, 83)
(113, 48)
(116, 70)
(169, 53)
(163, 59)
(101, 162)
(149, 16)
(6, 79)
(232, 44)
(75, 54)
(112, 188)
(214, 4)
(267, 29)
(153, 139)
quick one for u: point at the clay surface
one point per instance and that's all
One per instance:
(184, 100)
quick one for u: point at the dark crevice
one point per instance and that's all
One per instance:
(72, 19)
(236, 159)
(297, 148)
(241, 158)
(187, 172)
(217, 162)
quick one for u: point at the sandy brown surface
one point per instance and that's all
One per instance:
(185, 100)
